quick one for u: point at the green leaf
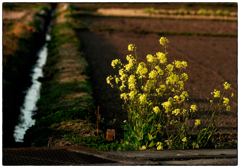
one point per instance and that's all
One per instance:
(138, 144)
(133, 139)
(126, 138)
(151, 144)
(125, 128)
(150, 119)
(138, 128)
(145, 125)
(134, 133)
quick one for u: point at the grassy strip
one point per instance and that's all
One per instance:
(183, 11)
(66, 107)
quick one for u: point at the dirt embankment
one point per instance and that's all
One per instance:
(211, 61)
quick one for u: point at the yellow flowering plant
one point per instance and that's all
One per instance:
(153, 96)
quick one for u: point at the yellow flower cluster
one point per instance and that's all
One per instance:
(132, 94)
(193, 108)
(117, 79)
(144, 147)
(184, 64)
(149, 85)
(197, 122)
(122, 87)
(167, 105)
(169, 67)
(159, 146)
(159, 70)
(143, 98)
(141, 70)
(184, 139)
(131, 82)
(216, 93)
(150, 58)
(184, 76)
(161, 89)
(153, 74)
(226, 85)
(131, 47)
(184, 93)
(176, 112)
(225, 102)
(172, 79)
(123, 96)
(181, 85)
(179, 64)
(116, 62)
(129, 57)
(109, 78)
(128, 66)
(121, 72)
(156, 109)
(176, 98)
(163, 41)
(161, 57)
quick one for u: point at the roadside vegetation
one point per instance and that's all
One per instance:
(158, 116)
(183, 11)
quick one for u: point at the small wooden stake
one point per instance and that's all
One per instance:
(110, 134)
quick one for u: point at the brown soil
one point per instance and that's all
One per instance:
(200, 26)
(211, 62)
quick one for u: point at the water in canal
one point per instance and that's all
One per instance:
(32, 95)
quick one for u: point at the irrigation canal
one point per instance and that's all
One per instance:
(32, 94)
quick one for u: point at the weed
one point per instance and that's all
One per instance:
(154, 120)
(149, 10)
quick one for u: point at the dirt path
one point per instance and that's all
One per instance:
(200, 26)
(211, 62)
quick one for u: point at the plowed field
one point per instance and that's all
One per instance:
(211, 60)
